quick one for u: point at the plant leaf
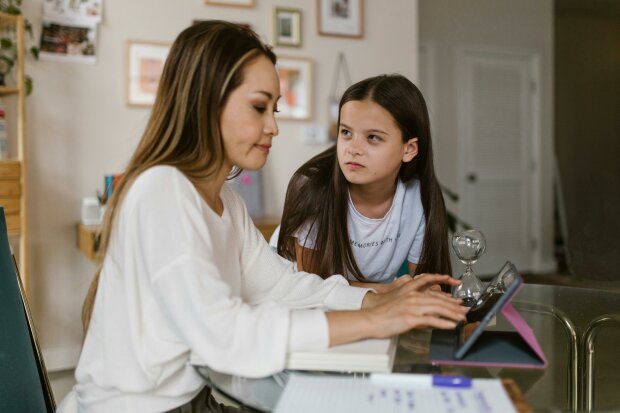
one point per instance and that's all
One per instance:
(451, 221)
(451, 194)
(29, 85)
(35, 52)
(9, 63)
(28, 27)
(6, 43)
(14, 10)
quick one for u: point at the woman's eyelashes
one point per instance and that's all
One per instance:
(263, 108)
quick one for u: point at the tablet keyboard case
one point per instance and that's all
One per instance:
(518, 349)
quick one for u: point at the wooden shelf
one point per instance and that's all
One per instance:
(14, 172)
(87, 240)
(86, 235)
(8, 90)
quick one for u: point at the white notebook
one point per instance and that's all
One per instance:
(372, 355)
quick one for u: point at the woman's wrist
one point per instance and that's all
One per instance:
(349, 326)
(370, 300)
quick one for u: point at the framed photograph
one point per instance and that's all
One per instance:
(233, 3)
(344, 18)
(286, 27)
(296, 88)
(145, 63)
(75, 43)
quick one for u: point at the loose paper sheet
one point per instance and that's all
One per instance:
(390, 393)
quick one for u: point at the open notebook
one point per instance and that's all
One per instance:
(372, 355)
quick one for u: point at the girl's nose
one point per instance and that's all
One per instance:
(354, 147)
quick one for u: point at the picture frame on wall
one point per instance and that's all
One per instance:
(286, 27)
(232, 3)
(296, 86)
(341, 18)
(145, 64)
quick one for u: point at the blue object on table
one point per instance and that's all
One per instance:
(451, 381)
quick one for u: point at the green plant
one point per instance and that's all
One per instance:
(8, 46)
(453, 220)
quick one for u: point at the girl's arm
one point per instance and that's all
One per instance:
(412, 268)
(305, 255)
(380, 288)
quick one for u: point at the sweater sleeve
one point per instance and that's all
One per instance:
(172, 246)
(269, 277)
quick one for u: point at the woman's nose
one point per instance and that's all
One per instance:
(271, 126)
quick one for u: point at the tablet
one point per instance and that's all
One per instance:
(497, 294)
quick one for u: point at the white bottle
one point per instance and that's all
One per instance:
(4, 143)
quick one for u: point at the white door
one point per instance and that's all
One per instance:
(497, 149)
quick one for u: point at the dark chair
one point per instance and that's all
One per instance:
(24, 386)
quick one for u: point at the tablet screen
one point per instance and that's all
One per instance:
(499, 291)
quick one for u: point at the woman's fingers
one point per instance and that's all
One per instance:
(418, 310)
(435, 322)
(440, 310)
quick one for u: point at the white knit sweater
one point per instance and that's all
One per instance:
(182, 285)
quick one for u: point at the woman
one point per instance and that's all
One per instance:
(185, 277)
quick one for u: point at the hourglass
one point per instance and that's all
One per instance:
(469, 246)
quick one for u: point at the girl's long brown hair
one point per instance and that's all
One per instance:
(318, 191)
(204, 66)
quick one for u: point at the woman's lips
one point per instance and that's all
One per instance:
(263, 148)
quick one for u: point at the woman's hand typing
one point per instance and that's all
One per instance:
(407, 306)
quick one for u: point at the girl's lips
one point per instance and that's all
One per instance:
(354, 166)
(263, 148)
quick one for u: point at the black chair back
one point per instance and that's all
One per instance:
(24, 386)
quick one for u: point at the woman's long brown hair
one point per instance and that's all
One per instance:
(318, 191)
(204, 66)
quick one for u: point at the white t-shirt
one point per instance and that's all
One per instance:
(181, 285)
(380, 246)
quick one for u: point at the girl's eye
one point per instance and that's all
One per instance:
(260, 109)
(275, 110)
(345, 132)
(374, 138)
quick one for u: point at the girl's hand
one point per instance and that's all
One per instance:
(434, 287)
(381, 288)
(405, 284)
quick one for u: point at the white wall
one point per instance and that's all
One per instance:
(79, 129)
(446, 25)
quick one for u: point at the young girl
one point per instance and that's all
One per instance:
(370, 203)
(185, 277)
